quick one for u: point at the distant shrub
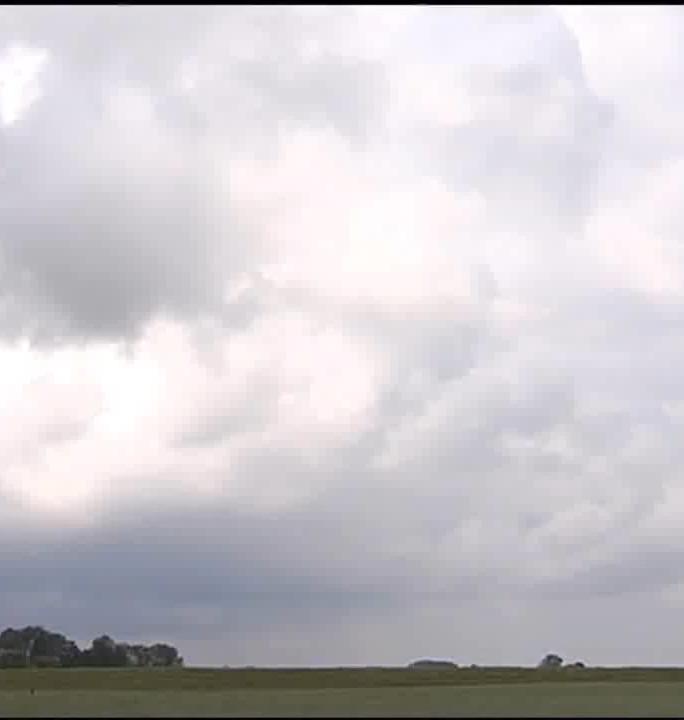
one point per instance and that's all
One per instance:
(433, 665)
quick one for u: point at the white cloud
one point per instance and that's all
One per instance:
(383, 304)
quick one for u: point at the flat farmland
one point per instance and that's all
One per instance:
(344, 692)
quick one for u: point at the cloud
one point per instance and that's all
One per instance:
(321, 323)
(116, 204)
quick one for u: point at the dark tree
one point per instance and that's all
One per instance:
(34, 645)
(551, 661)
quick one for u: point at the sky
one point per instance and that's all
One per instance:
(344, 335)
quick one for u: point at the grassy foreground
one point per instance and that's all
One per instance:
(373, 692)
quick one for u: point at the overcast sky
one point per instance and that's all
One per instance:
(344, 335)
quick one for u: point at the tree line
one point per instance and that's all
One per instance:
(34, 646)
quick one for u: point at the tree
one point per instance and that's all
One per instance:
(551, 661)
(53, 649)
(34, 645)
(104, 652)
(164, 655)
(21, 641)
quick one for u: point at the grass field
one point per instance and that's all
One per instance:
(491, 692)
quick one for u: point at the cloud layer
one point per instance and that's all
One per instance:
(340, 335)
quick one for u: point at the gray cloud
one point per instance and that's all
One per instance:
(112, 208)
(241, 577)
(320, 325)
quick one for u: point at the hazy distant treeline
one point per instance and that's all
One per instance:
(38, 647)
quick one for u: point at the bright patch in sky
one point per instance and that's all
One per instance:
(19, 70)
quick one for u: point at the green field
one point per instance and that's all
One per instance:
(502, 692)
